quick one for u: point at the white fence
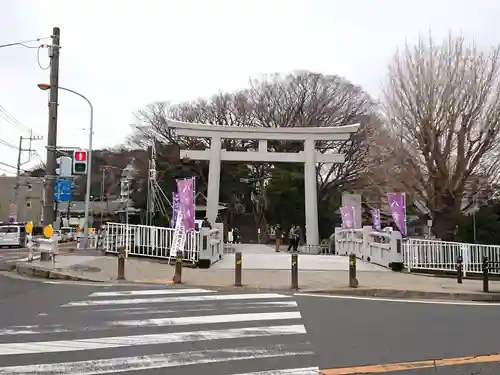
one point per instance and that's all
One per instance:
(379, 248)
(433, 255)
(156, 242)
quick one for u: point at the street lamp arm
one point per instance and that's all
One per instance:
(78, 94)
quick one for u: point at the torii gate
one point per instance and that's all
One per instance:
(309, 135)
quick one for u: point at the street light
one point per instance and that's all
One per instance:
(45, 87)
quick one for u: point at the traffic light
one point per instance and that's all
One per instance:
(64, 166)
(80, 162)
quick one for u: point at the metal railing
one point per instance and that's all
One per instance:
(433, 255)
(148, 241)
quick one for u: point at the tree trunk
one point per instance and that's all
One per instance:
(445, 220)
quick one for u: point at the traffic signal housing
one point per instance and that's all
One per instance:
(64, 167)
(79, 162)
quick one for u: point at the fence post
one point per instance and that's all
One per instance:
(237, 269)
(353, 281)
(295, 271)
(486, 286)
(121, 264)
(460, 269)
(178, 268)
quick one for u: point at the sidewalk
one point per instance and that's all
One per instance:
(371, 283)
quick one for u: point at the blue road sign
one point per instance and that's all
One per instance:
(62, 190)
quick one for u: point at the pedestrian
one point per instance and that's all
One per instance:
(236, 234)
(291, 238)
(206, 224)
(296, 235)
(278, 234)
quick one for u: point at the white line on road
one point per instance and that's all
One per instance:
(133, 301)
(149, 292)
(430, 302)
(199, 307)
(160, 322)
(156, 361)
(153, 339)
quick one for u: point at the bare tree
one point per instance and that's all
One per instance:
(441, 109)
(302, 99)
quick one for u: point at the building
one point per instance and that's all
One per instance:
(29, 205)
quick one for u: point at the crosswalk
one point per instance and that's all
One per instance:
(163, 330)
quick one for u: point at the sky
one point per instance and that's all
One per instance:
(125, 54)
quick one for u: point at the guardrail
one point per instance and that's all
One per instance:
(201, 247)
(433, 255)
(380, 248)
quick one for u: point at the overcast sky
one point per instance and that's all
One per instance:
(125, 54)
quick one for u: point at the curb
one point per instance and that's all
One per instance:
(44, 273)
(408, 294)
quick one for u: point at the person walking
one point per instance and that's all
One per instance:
(296, 235)
(278, 234)
(291, 238)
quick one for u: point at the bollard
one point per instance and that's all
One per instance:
(121, 264)
(486, 275)
(460, 269)
(237, 269)
(295, 271)
(353, 281)
(178, 268)
(29, 245)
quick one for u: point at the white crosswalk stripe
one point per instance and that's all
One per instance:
(183, 331)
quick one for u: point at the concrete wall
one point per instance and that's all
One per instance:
(30, 198)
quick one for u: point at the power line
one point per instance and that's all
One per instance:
(24, 43)
(2, 142)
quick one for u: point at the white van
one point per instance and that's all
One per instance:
(13, 235)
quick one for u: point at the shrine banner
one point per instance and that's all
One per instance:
(347, 214)
(175, 208)
(376, 219)
(397, 205)
(185, 190)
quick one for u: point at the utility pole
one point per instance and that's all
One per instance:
(50, 172)
(18, 171)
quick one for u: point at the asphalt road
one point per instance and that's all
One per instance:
(95, 330)
(46, 328)
(353, 332)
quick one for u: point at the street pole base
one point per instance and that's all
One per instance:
(45, 257)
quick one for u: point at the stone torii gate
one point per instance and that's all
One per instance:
(309, 135)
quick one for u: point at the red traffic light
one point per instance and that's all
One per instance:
(80, 156)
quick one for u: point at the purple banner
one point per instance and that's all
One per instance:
(397, 205)
(175, 208)
(376, 219)
(347, 214)
(185, 189)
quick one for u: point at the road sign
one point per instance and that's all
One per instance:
(62, 190)
(29, 227)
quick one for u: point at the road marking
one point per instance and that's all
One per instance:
(149, 292)
(152, 339)
(176, 299)
(159, 322)
(156, 361)
(429, 302)
(291, 371)
(404, 366)
(199, 307)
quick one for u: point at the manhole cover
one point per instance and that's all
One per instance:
(86, 268)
